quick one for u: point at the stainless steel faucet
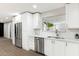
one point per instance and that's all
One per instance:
(57, 34)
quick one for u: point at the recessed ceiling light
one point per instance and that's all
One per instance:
(7, 18)
(34, 6)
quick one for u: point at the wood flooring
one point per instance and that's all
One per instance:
(8, 49)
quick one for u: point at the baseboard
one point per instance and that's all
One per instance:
(38, 52)
(7, 38)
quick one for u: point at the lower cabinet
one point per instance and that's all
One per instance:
(61, 48)
(72, 49)
(49, 47)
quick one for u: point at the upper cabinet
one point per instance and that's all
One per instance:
(72, 15)
(37, 21)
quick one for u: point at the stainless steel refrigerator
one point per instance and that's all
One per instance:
(18, 35)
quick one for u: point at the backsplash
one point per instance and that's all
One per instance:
(69, 34)
(47, 33)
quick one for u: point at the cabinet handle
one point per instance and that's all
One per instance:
(66, 43)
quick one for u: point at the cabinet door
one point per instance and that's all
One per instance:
(59, 48)
(37, 21)
(49, 47)
(72, 15)
(72, 49)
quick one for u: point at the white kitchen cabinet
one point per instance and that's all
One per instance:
(65, 48)
(72, 15)
(27, 30)
(54, 47)
(72, 49)
(59, 48)
(37, 21)
(49, 47)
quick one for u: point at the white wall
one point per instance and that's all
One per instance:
(7, 30)
(14, 21)
(12, 32)
(9, 25)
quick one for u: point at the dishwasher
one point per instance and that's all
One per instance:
(39, 44)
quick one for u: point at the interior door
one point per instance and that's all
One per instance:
(18, 35)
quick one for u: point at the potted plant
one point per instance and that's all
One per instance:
(49, 25)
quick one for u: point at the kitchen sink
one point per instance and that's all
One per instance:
(55, 37)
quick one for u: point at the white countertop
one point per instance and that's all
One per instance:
(65, 40)
(40, 36)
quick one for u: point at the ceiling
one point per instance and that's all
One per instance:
(8, 9)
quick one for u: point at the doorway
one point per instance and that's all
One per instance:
(1, 29)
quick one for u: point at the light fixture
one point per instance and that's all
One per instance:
(15, 14)
(34, 6)
(6, 18)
